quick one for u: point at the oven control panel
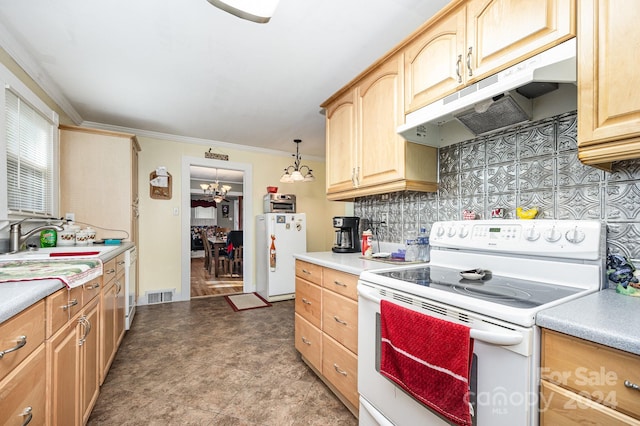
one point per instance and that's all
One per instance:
(578, 239)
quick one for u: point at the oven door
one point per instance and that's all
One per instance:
(504, 374)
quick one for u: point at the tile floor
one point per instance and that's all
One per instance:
(200, 363)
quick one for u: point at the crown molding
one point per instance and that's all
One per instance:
(192, 140)
(9, 43)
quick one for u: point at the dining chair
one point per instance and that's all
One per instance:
(236, 261)
(208, 256)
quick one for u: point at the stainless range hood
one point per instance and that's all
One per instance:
(499, 101)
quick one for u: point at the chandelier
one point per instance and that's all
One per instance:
(293, 173)
(215, 190)
(259, 11)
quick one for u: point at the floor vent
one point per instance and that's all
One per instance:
(161, 296)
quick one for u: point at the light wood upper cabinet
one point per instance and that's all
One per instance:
(608, 105)
(434, 61)
(364, 153)
(99, 179)
(478, 38)
(501, 33)
(341, 143)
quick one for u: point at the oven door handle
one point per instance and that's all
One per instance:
(378, 417)
(502, 338)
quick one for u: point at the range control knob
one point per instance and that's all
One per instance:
(463, 232)
(575, 236)
(440, 231)
(552, 235)
(531, 234)
(451, 232)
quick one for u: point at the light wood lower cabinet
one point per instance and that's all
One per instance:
(22, 392)
(326, 328)
(22, 367)
(584, 383)
(73, 357)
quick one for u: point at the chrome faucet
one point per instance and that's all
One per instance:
(17, 240)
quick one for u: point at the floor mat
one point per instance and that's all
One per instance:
(243, 302)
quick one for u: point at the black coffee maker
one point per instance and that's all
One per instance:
(347, 239)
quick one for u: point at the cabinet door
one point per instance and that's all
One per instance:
(609, 108)
(63, 355)
(341, 143)
(434, 62)
(22, 392)
(120, 307)
(108, 309)
(90, 358)
(501, 33)
(380, 110)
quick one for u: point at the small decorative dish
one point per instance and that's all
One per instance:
(473, 274)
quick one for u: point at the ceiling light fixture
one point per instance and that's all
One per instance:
(215, 190)
(259, 11)
(295, 175)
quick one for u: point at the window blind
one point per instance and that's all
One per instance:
(30, 144)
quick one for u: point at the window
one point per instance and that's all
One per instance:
(29, 140)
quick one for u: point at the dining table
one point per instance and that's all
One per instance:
(216, 244)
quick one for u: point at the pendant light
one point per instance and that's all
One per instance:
(215, 190)
(294, 173)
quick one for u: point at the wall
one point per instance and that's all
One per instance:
(531, 165)
(160, 236)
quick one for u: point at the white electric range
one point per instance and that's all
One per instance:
(528, 265)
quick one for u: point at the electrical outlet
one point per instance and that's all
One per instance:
(70, 216)
(176, 211)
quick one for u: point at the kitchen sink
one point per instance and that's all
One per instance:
(58, 253)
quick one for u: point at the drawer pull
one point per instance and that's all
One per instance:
(120, 263)
(72, 302)
(110, 271)
(306, 272)
(22, 340)
(305, 341)
(631, 385)
(336, 282)
(93, 287)
(28, 414)
(335, 366)
(305, 301)
(86, 324)
(338, 320)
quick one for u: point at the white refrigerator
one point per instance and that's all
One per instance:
(275, 272)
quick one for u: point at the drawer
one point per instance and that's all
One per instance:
(309, 341)
(340, 367)
(25, 387)
(559, 407)
(56, 306)
(309, 271)
(91, 290)
(340, 282)
(109, 269)
(592, 369)
(28, 323)
(340, 319)
(120, 264)
(308, 301)
(75, 302)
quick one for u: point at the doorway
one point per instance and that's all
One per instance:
(245, 217)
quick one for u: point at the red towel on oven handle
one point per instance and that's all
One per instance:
(429, 358)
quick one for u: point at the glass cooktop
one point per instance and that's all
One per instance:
(507, 291)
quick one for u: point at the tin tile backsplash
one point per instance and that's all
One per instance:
(534, 165)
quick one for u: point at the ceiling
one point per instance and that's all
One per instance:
(184, 67)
